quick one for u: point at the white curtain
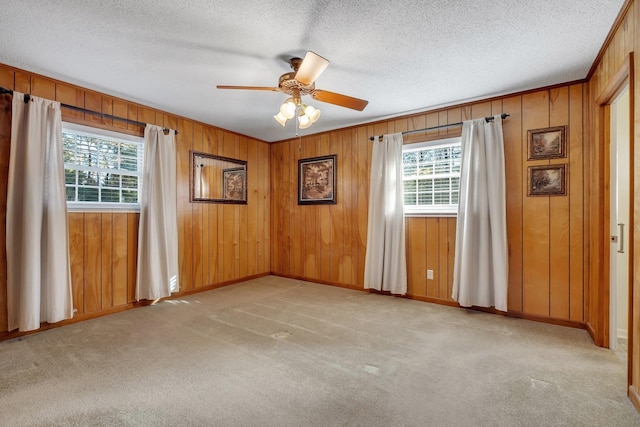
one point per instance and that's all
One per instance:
(481, 261)
(38, 269)
(385, 267)
(157, 274)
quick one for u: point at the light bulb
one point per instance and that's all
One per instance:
(280, 118)
(288, 108)
(312, 113)
(304, 121)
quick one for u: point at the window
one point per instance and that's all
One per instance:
(103, 170)
(431, 177)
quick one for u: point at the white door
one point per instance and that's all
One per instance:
(619, 258)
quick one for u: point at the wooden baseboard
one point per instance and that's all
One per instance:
(321, 282)
(634, 397)
(88, 316)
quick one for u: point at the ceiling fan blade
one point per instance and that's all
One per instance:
(275, 89)
(312, 66)
(338, 99)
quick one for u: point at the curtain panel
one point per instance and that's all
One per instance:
(481, 259)
(38, 265)
(385, 260)
(157, 274)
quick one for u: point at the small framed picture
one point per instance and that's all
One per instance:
(233, 184)
(547, 143)
(317, 180)
(547, 180)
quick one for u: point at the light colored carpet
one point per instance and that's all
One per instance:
(281, 352)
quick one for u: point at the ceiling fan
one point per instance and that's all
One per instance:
(301, 82)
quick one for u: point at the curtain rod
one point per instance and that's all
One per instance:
(488, 119)
(27, 97)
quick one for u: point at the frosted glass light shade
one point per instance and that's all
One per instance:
(304, 121)
(288, 108)
(312, 113)
(280, 118)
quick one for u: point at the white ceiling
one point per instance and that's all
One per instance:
(402, 56)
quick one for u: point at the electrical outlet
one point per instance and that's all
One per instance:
(429, 274)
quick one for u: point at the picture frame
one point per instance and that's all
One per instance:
(547, 143)
(547, 180)
(234, 184)
(317, 177)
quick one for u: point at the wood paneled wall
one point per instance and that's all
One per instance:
(218, 244)
(624, 40)
(327, 243)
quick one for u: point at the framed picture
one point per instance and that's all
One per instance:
(547, 180)
(547, 143)
(233, 184)
(317, 180)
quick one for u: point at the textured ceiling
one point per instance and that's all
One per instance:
(402, 56)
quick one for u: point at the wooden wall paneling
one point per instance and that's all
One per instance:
(106, 260)
(635, 292)
(120, 109)
(264, 213)
(451, 249)
(310, 244)
(197, 217)
(107, 108)
(515, 151)
(325, 237)
(286, 189)
(496, 107)
(243, 218)
(22, 83)
(337, 211)
(44, 88)
(76, 253)
(133, 221)
(297, 214)
(363, 145)
(132, 114)
(443, 119)
(414, 123)
(535, 218)
(575, 144)
(480, 110)
(276, 159)
(7, 78)
(4, 321)
(93, 102)
(92, 262)
(454, 115)
(253, 202)
(228, 232)
(347, 206)
(353, 213)
(147, 115)
(70, 95)
(120, 271)
(433, 256)
(432, 121)
(416, 251)
(184, 143)
(443, 262)
(559, 218)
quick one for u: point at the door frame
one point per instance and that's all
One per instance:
(598, 318)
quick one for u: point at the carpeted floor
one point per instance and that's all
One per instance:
(281, 352)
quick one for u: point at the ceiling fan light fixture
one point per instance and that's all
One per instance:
(280, 118)
(288, 108)
(312, 113)
(304, 121)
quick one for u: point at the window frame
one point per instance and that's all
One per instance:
(79, 206)
(435, 210)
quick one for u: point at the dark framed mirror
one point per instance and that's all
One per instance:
(217, 179)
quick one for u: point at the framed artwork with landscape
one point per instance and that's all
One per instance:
(317, 180)
(547, 143)
(547, 180)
